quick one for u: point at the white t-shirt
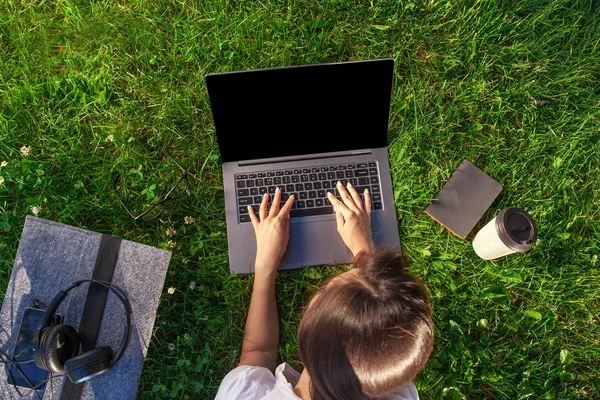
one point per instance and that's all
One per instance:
(258, 383)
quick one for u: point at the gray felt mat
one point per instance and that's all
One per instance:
(51, 256)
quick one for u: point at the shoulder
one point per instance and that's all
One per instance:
(248, 382)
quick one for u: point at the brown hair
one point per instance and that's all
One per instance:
(369, 333)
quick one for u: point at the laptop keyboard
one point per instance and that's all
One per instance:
(308, 185)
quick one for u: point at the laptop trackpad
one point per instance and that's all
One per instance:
(315, 243)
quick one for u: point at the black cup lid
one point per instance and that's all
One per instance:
(516, 229)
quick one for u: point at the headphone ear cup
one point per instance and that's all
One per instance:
(89, 364)
(58, 344)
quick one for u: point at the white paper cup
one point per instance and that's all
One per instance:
(511, 231)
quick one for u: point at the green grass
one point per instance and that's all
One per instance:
(469, 77)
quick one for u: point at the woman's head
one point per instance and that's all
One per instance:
(368, 332)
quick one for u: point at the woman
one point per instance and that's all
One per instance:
(366, 335)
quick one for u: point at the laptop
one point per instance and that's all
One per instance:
(302, 129)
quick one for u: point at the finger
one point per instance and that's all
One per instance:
(355, 196)
(339, 207)
(339, 219)
(368, 201)
(275, 203)
(263, 207)
(348, 201)
(253, 217)
(287, 206)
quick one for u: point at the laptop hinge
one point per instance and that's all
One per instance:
(303, 157)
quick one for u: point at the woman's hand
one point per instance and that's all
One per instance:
(353, 219)
(272, 231)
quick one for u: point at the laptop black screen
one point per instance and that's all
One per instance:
(301, 110)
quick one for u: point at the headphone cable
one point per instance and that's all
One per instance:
(42, 383)
(4, 358)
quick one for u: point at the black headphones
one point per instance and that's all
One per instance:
(56, 348)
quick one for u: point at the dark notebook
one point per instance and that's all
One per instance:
(464, 199)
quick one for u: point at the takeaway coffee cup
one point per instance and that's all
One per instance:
(512, 231)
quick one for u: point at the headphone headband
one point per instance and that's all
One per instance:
(60, 296)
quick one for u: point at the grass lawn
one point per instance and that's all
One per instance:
(96, 88)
